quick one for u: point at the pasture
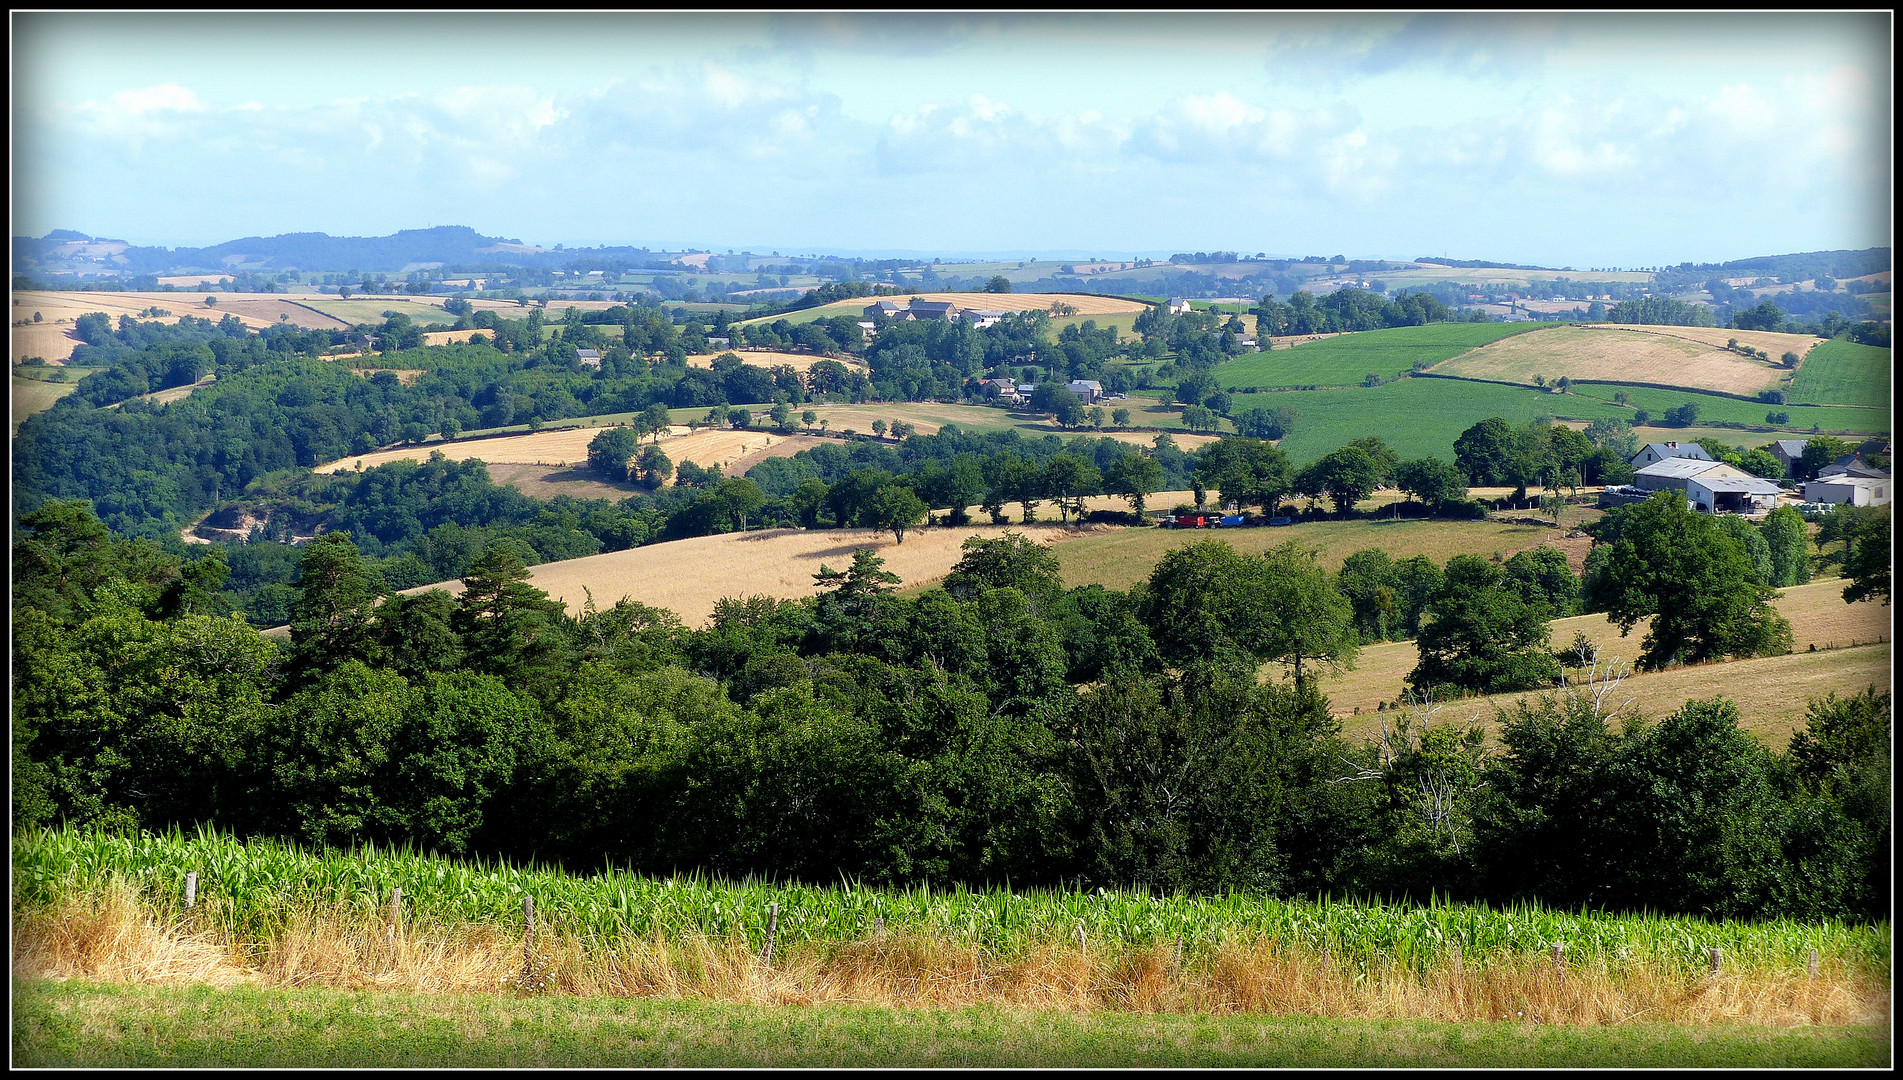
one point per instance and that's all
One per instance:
(688, 576)
(1771, 692)
(1417, 417)
(1711, 407)
(1841, 372)
(1622, 354)
(1086, 304)
(1346, 359)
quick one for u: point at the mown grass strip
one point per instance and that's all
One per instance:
(1840, 372)
(92, 1025)
(1348, 359)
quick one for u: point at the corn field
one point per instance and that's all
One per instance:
(254, 889)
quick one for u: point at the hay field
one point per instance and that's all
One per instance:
(688, 576)
(361, 310)
(52, 339)
(188, 281)
(1085, 303)
(453, 337)
(1629, 354)
(1775, 688)
(768, 358)
(1121, 558)
(569, 446)
(32, 395)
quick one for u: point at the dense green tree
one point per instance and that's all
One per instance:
(1346, 476)
(610, 451)
(1666, 560)
(337, 598)
(897, 508)
(1482, 450)
(1789, 541)
(1012, 561)
(1542, 575)
(1867, 558)
(1431, 481)
(1480, 634)
(509, 628)
(1248, 472)
(1134, 476)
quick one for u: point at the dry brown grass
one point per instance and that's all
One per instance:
(1084, 303)
(564, 447)
(688, 576)
(1673, 355)
(768, 358)
(110, 936)
(1771, 692)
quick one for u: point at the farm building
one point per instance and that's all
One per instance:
(1653, 453)
(981, 319)
(933, 309)
(1855, 490)
(887, 308)
(1852, 465)
(1178, 306)
(588, 358)
(1712, 486)
(1787, 451)
(1090, 390)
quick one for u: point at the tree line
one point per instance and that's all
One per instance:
(998, 726)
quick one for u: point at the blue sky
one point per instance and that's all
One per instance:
(1585, 140)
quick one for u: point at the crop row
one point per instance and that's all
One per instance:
(252, 887)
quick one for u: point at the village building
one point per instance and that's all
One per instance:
(1090, 391)
(1653, 453)
(1852, 465)
(981, 319)
(1179, 306)
(887, 308)
(1787, 451)
(588, 358)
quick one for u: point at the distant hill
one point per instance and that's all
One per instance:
(64, 251)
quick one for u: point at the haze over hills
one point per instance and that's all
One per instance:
(65, 252)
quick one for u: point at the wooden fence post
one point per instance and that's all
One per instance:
(1559, 959)
(396, 910)
(191, 889)
(1080, 937)
(1460, 963)
(878, 928)
(1176, 963)
(772, 931)
(528, 942)
(1811, 966)
(1717, 956)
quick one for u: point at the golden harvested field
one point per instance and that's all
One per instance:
(688, 576)
(1083, 302)
(1119, 559)
(192, 280)
(768, 358)
(31, 396)
(52, 339)
(569, 447)
(1818, 617)
(1187, 443)
(452, 337)
(1671, 355)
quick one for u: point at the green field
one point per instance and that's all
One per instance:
(1712, 407)
(1417, 417)
(95, 1025)
(1346, 360)
(1840, 372)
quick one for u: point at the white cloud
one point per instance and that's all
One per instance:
(164, 97)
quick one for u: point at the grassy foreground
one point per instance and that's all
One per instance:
(88, 1024)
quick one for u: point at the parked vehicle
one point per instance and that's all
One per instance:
(1283, 520)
